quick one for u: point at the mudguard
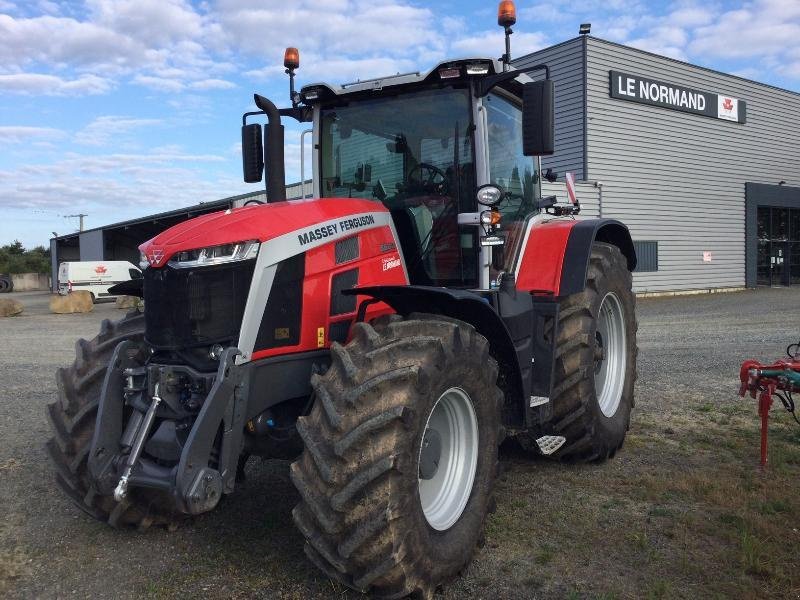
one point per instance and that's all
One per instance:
(465, 306)
(555, 258)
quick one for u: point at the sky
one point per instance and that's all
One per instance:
(124, 108)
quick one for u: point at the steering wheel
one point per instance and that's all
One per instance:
(429, 183)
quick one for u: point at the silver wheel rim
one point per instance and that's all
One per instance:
(610, 355)
(448, 458)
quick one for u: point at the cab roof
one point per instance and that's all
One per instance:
(320, 91)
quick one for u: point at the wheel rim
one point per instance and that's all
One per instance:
(610, 355)
(448, 457)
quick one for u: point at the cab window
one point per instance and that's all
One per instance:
(511, 170)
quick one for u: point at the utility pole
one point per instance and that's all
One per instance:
(80, 216)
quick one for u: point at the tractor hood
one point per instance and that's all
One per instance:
(262, 222)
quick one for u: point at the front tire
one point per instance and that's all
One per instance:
(595, 369)
(72, 419)
(400, 455)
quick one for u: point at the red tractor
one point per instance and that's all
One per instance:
(387, 335)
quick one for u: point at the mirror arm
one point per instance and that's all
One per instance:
(488, 83)
(303, 114)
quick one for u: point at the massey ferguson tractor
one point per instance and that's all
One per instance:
(386, 335)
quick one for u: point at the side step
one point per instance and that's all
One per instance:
(550, 443)
(539, 400)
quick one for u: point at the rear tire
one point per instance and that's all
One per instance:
(72, 419)
(595, 367)
(363, 471)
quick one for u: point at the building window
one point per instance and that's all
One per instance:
(646, 256)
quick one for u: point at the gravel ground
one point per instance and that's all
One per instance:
(690, 351)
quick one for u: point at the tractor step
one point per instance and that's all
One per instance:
(550, 443)
(539, 400)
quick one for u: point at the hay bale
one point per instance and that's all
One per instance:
(127, 302)
(9, 307)
(74, 302)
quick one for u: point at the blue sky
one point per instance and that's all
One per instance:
(123, 108)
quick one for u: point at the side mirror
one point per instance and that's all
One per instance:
(252, 153)
(538, 118)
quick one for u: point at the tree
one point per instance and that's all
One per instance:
(15, 259)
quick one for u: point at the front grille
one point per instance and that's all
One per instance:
(195, 307)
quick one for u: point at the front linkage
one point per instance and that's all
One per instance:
(780, 379)
(196, 458)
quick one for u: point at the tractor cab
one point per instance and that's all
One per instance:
(443, 151)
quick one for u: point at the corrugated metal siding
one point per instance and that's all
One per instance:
(91, 244)
(566, 69)
(680, 178)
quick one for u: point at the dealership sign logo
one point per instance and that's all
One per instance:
(100, 269)
(644, 90)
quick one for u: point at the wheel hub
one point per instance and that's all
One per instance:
(430, 454)
(448, 459)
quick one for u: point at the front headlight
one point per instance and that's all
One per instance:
(143, 262)
(215, 255)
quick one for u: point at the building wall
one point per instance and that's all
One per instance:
(680, 178)
(566, 69)
(92, 245)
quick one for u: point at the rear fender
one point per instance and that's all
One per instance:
(465, 306)
(555, 259)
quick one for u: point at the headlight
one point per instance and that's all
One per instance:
(215, 255)
(490, 194)
(143, 262)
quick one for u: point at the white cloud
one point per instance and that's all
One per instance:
(53, 85)
(154, 23)
(162, 84)
(110, 128)
(491, 44)
(764, 28)
(116, 181)
(211, 84)
(15, 134)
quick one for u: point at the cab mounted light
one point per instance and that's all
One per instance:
(291, 60)
(490, 194)
(477, 69)
(449, 73)
(506, 13)
(506, 17)
(311, 94)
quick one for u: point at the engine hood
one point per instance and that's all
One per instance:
(262, 222)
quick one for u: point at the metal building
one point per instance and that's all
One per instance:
(704, 167)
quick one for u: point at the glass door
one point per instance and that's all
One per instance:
(778, 261)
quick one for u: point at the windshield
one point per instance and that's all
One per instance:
(511, 170)
(413, 153)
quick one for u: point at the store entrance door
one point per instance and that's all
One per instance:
(778, 246)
